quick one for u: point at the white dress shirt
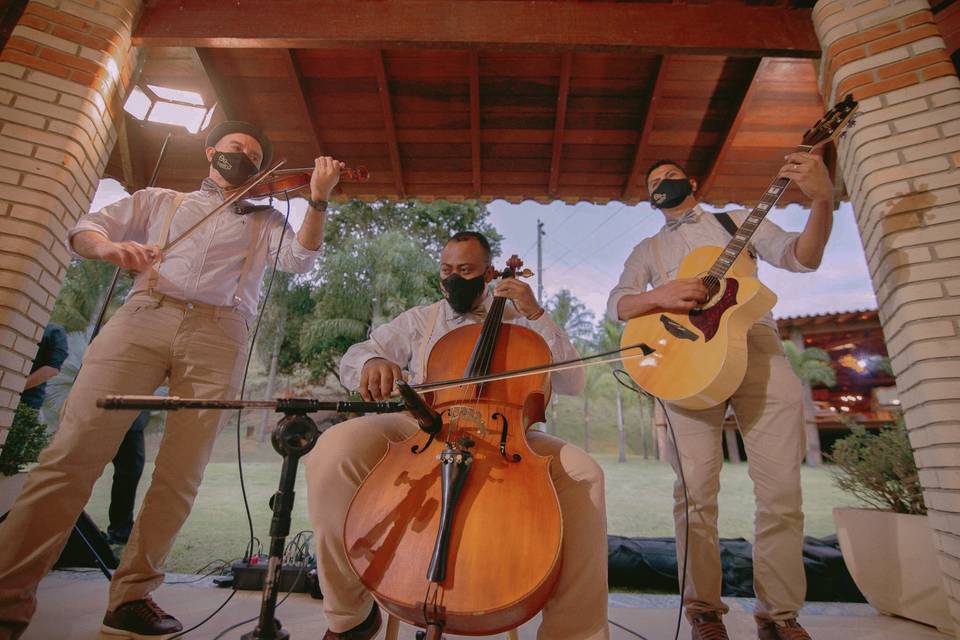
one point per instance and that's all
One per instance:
(770, 242)
(207, 265)
(400, 341)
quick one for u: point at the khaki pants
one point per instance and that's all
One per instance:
(200, 349)
(347, 452)
(769, 410)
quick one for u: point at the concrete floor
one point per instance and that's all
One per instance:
(71, 608)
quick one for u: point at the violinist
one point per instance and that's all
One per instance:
(347, 452)
(185, 322)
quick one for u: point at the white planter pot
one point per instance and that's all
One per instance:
(10, 487)
(892, 558)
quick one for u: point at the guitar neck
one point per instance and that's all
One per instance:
(749, 226)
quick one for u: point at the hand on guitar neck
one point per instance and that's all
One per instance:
(677, 296)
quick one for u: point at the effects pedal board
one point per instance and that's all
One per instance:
(250, 575)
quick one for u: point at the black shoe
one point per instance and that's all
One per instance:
(363, 631)
(140, 620)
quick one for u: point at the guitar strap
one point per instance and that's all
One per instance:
(658, 260)
(724, 218)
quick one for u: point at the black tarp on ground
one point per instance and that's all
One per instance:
(650, 564)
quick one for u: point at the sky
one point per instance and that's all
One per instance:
(586, 244)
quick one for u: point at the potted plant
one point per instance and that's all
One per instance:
(25, 440)
(889, 547)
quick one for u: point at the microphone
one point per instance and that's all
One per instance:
(428, 419)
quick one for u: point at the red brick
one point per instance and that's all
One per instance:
(102, 32)
(885, 86)
(857, 39)
(84, 78)
(56, 16)
(854, 81)
(902, 38)
(916, 19)
(939, 70)
(21, 44)
(75, 62)
(76, 37)
(34, 62)
(34, 22)
(910, 64)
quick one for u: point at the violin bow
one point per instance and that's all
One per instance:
(226, 203)
(563, 365)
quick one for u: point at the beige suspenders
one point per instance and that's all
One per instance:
(258, 221)
(658, 260)
(162, 241)
(425, 342)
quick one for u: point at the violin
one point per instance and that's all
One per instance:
(459, 531)
(285, 182)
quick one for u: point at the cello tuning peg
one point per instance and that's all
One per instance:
(526, 273)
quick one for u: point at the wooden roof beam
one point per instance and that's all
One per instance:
(388, 122)
(717, 29)
(703, 189)
(290, 65)
(633, 188)
(566, 64)
(204, 62)
(475, 121)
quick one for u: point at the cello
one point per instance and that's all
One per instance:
(460, 530)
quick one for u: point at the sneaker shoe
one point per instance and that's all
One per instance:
(781, 630)
(363, 631)
(140, 620)
(707, 626)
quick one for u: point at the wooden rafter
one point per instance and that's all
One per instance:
(300, 98)
(566, 64)
(703, 189)
(204, 61)
(475, 121)
(721, 29)
(131, 180)
(633, 187)
(388, 123)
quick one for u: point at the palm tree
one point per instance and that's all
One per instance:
(608, 339)
(592, 378)
(576, 320)
(812, 366)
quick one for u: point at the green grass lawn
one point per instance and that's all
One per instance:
(639, 502)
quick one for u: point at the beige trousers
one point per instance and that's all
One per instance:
(200, 349)
(769, 410)
(347, 452)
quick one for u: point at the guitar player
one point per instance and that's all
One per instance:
(768, 403)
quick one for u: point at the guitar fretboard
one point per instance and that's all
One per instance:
(749, 226)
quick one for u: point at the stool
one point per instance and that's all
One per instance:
(393, 628)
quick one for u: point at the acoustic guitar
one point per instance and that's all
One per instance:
(700, 356)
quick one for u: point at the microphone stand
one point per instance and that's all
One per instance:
(294, 437)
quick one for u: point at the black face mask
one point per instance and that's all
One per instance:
(462, 292)
(235, 167)
(670, 193)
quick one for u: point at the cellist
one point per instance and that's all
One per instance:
(347, 452)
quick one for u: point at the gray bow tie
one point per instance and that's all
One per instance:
(689, 216)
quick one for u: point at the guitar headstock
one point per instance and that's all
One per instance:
(832, 124)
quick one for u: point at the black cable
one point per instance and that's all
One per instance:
(686, 500)
(627, 629)
(243, 385)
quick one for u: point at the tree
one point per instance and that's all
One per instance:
(576, 320)
(379, 260)
(812, 366)
(592, 377)
(81, 296)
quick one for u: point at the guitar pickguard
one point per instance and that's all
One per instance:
(708, 320)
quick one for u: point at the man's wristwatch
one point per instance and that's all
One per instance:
(317, 205)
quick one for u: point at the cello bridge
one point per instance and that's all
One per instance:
(467, 419)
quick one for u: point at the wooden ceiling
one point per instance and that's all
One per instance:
(490, 98)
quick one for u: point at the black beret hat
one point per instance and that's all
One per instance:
(238, 126)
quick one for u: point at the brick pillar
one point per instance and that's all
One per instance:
(900, 164)
(62, 78)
